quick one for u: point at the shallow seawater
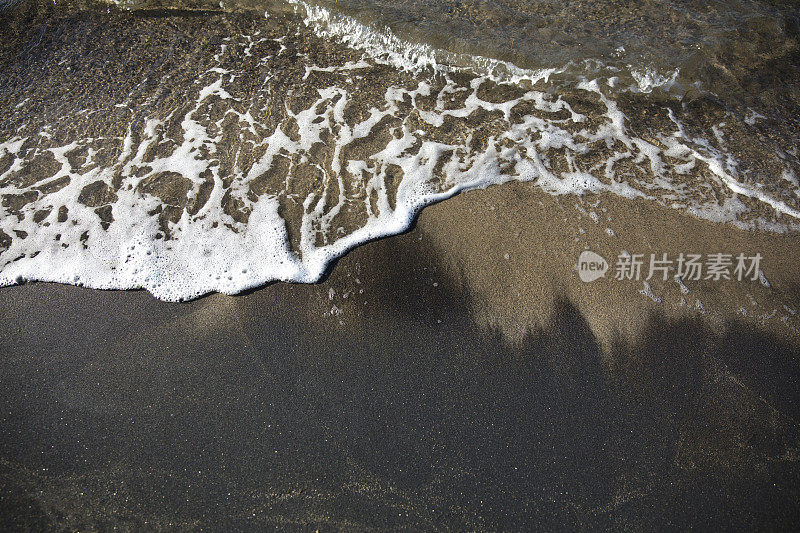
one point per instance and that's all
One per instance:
(189, 147)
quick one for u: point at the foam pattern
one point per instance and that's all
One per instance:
(262, 152)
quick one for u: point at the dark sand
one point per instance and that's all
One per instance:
(461, 389)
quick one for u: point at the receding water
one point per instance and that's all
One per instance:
(188, 147)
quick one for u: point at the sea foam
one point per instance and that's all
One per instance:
(288, 142)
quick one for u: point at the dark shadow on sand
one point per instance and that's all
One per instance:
(413, 423)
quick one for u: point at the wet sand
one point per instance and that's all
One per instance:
(457, 376)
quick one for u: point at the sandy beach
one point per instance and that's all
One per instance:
(593, 325)
(458, 376)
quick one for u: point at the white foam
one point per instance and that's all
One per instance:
(384, 44)
(648, 79)
(211, 251)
